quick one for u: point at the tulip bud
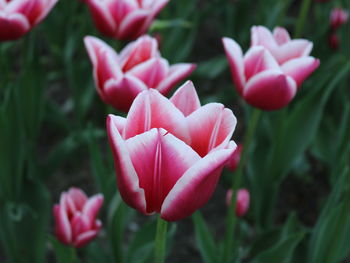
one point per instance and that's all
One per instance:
(75, 217)
(338, 17)
(233, 162)
(242, 202)
(333, 41)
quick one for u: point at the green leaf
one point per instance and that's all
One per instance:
(204, 238)
(212, 68)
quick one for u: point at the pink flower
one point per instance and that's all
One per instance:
(272, 69)
(338, 17)
(75, 217)
(243, 200)
(124, 19)
(233, 162)
(138, 67)
(17, 17)
(333, 41)
(169, 154)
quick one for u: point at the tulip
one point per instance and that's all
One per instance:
(242, 202)
(273, 68)
(17, 17)
(75, 217)
(139, 66)
(168, 162)
(233, 162)
(124, 19)
(333, 41)
(338, 17)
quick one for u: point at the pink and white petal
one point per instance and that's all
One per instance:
(151, 72)
(62, 225)
(270, 90)
(154, 7)
(160, 159)
(281, 35)
(95, 47)
(142, 50)
(80, 223)
(132, 25)
(300, 68)
(235, 58)
(85, 238)
(102, 17)
(152, 110)
(211, 126)
(13, 26)
(258, 59)
(293, 49)
(48, 5)
(121, 93)
(127, 179)
(261, 36)
(78, 196)
(120, 9)
(195, 187)
(92, 207)
(186, 98)
(177, 72)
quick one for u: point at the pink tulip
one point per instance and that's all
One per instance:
(124, 19)
(168, 154)
(17, 17)
(233, 162)
(242, 202)
(139, 66)
(338, 17)
(272, 69)
(333, 41)
(75, 217)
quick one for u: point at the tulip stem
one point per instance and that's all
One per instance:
(160, 242)
(236, 182)
(301, 19)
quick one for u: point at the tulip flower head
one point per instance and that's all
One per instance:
(124, 19)
(274, 67)
(139, 66)
(242, 201)
(75, 217)
(17, 17)
(338, 17)
(333, 41)
(169, 153)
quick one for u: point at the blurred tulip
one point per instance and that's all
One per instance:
(243, 200)
(338, 17)
(233, 162)
(167, 162)
(333, 41)
(75, 217)
(138, 67)
(273, 68)
(124, 19)
(17, 17)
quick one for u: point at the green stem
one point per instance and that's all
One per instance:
(301, 19)
(160, 242)
(236, 182)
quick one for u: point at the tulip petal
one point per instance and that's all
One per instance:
(62, 225)
(176, 73)
(13, 26)
(281, 35)
(121, 93)
(300, 68)
(195, 187)
(235, 58)
(85, 238)
(102, 17)
(127, 180)
(78, 196)
(258, 59)
(132, 25)
(160, 159)
(292, 49)
(186, 98)
(211, 127)
(261, 36)
(270, 90)
(150, 110)
(80, 224)
(92, 206)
